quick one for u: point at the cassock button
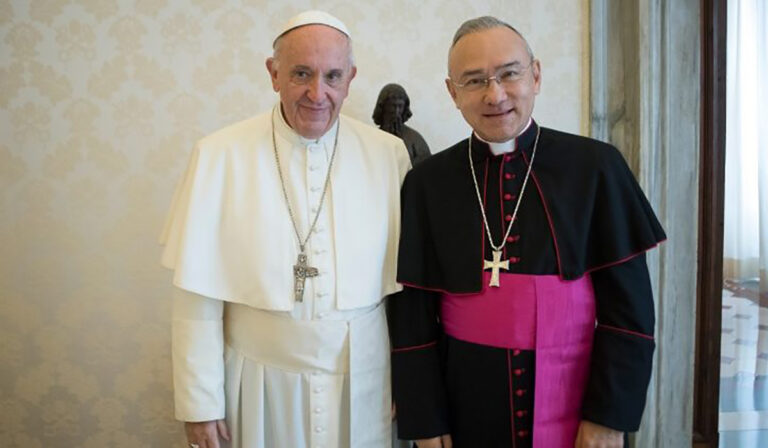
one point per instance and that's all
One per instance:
(319, 429)
(508, 218)
(509, 176)
(507, 158)
(522, 433)
(513, 238)
(520, 414)
(515, 352)
(518, 372)
(318, 389)
(520, 392)
(508, 196)
(514, 260)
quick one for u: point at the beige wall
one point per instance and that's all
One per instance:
(100, 103)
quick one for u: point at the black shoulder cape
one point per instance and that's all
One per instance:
(596, 211)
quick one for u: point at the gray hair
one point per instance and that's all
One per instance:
(277, 44)
(486, 23)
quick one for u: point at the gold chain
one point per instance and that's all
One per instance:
(519, 198)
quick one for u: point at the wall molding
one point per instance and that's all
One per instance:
(645, 100)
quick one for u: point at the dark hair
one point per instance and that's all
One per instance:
(486, 23)
(388, 91)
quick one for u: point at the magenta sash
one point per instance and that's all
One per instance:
(544, 313)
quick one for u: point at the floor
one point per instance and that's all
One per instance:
(744, 367)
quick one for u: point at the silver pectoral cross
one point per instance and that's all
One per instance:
(301, 271)
(495, 265)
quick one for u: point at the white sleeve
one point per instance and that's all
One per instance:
(197, 344)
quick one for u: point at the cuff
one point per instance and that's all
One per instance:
(198, 370)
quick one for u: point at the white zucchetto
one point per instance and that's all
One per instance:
(312, 18)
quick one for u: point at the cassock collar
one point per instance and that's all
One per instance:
(523, 142)
(286, 132)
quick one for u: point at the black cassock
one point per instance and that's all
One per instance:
(582, 213)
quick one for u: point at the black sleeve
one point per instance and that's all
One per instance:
(622, 353)
(417, 380)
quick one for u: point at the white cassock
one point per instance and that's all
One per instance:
(286, 373)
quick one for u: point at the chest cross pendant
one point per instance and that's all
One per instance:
(495, 265)
(301, 272)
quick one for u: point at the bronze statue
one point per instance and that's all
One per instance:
(393, 109)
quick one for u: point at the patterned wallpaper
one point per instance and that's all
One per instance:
(100, 104)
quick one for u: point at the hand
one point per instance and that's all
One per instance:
(443, 441)
(592, 435)
(206, 434)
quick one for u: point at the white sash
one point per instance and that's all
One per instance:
(359, 347)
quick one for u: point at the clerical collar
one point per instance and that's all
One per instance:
(287, 132)
(524, 141)
(505, 147)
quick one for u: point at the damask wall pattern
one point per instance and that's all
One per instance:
(100, 104)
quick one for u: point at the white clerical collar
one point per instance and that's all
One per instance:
(287, 132)
(507, 146)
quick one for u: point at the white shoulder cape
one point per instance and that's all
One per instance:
(228, 234)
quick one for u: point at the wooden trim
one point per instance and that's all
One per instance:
(711, 196)
(586, 66)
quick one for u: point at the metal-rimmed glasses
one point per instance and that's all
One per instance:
(505, 76)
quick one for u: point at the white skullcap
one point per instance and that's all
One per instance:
(312, 18)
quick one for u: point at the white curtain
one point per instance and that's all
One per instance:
(744, 363)
(746, 192)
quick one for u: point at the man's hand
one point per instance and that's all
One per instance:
(592, 435)
(206, 434)
(443, 441)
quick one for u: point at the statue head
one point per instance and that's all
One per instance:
(393, 109)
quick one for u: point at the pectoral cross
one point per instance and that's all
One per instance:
(301, 271)
(495, 265)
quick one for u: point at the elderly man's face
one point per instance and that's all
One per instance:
(312, 75)
(497, 112)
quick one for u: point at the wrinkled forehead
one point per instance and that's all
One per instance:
(314, 43)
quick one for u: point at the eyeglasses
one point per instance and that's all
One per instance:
(505, 77)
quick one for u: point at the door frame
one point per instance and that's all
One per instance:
(711, 205)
